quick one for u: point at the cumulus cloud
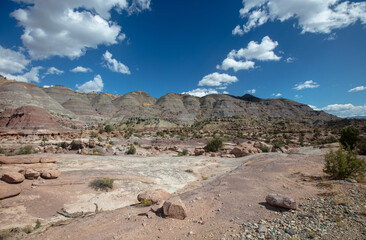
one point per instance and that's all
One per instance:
(238, 31)
(277, 94)
(357, 89)
(31, 76)
(345, 110)
(114, 65)
(68, 27)
(12, 61)
(241, 59)
(315, 16)
(306, 84)
(47, 86)
(251, 91)
(290, 60)
(81, 69)
(201, 92)
(314, 107)
(217, 80)
(95, 85)
(139, 5)
(53, 70)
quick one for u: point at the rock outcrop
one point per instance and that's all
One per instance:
(8, 190)
(13, 177)
(155, 196)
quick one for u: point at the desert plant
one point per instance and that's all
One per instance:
(93, 135)
(265, 148)
(2, 151)
(343, 163)
(25, 150)
(38, 225)
(108, 128)
(102, 184)
(28, 229)
(131, 150)
(277, 144)
(349, 137)
(146, 202)
(100, 139)
(214, 144)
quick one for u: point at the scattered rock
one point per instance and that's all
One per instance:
(199, 151)
(175, 208)
(30, 174)
(238, 152)
(279, 200)
(50, 174)
(13, 177)
(76, 145)
(49, 149)
(154, 196)
(8, 190)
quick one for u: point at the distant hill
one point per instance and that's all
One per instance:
(177, 108)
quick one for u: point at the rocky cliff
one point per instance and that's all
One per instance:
(178, 108)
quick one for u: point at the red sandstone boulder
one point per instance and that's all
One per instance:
(30, 174)
(50, 174)
(19, 159)
(8, 190)
(47, 160)
(154, 196)
(279, 200)
(199, 151)
(175, 208)
(13, 177)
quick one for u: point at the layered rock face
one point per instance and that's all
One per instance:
(177, 108)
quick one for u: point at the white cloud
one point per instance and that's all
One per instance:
(47, 86)
(290, 60)
(345, 110)
(251, 91)
(315, 16)
(238, 31)
(201, 92)
(240, 59)
(114, 65)
(12, 61)
(306, 84)
(95, 85)
(81, 69)
(217, 80)
(139, 5)
(69, 27)
(298, 96)
(277, 94)
(225, 92)
(357, 89)
(53, 70)
(314, 107)
(31, 76)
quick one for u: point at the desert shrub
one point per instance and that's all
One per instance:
(74, 127)
(145, 202)
(2, 151)
(349, 137)
(25, 150)
(183, 153)
(38, 225)
(160, 134)
(214, 144)
(182, 137)
(111, 142)
(100, 139)
(101, 130)
(93, 135)
(361, 146)
(102, 184)
(108, 128)
(136, 143)
(277, 143)
(265, 148)
(97, 152)
(343, 163)
(131, 150)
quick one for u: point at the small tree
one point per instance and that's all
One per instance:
(343, 163)
(214, 144)
(349, 137)
(131, 150)
(108, 128)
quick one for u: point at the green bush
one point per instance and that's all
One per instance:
(25, 150)
(343, 163)
(349, 137)
(277, 143)
(102, 184)
(38, 225)
(108, 128)
(93, 135)
(2, 151)
(265, 148)
(131, 150)
(214, 144)
(100, 139)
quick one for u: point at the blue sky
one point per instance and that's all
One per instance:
(312, 52)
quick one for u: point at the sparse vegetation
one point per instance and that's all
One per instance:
(108, 128)
(93, 135)
(100, 139)
(28, 229)
(343, 163)
(349, 137)
(131, 150)
(38, 225)
(102, 184)
(214, 144)
(265, 148)
(25, 150)
(145, 203)
(2, 151)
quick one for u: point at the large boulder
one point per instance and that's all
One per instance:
(240, 153)
(50, 174)
(30, 174)
(279, 200)
(154, 196)
(19, 159)
(175, 208)
(13, 177)
(8, 190)
(76, 145)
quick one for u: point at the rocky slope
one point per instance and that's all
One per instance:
(177, 108)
